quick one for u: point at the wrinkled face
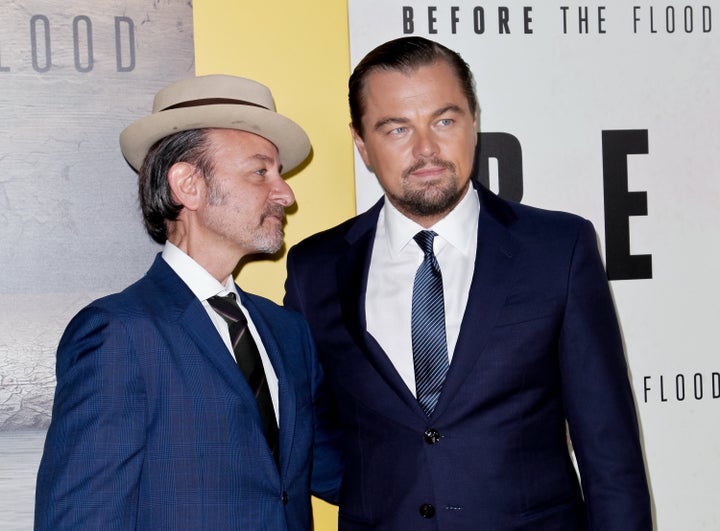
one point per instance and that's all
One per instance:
(246, 195)
(419, 139)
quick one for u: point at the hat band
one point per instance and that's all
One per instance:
(211, 101)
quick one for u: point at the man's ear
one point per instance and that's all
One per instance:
(360, 145)
(187, 184)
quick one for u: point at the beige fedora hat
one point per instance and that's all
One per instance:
(212, 101)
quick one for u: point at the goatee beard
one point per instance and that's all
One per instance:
(432, 199)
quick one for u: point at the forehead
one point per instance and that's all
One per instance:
(242, 144)
(434, 83)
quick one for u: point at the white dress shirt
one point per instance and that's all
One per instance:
(204, 286)
(394, 262)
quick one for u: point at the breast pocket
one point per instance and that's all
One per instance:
(525, 311)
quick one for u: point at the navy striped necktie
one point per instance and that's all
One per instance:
(429, 343)
(248, 359)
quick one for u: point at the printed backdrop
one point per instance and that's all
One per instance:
(72, 76)
(609, 110)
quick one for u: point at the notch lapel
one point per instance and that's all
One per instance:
(287, 399)
(495, 263)
(352, 275)
(177, 303)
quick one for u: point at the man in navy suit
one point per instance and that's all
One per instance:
(154, 425)
(470, 433)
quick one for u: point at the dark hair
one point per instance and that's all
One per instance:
(155, 195)
(405, 54)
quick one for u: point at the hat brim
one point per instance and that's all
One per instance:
(291, 141)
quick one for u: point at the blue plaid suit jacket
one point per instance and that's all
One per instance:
(154, 427)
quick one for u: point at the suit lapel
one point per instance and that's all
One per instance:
(286, 392)
(352, 274)
(199, 327)
(178, 303)
(495, 261)
(492, 278)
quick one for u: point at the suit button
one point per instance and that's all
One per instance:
(431, 436)
(284, 498)
(427, 510)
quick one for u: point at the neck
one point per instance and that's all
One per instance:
(217, 259)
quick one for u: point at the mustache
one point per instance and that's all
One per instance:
(273, 210)
(420, 164)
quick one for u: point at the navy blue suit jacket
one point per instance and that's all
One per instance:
(539, 345)
(154, 426)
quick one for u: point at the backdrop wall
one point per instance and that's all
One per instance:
(72, 75)
(300, 50)
(612, 107)
(610, 110)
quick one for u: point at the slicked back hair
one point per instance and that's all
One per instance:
(156, 201)
(405, 55)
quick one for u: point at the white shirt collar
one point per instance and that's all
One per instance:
(200, 282)
(453, 228)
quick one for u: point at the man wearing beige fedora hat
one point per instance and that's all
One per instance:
(184, 402)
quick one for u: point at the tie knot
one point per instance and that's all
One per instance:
(424, 239)
(227, 307)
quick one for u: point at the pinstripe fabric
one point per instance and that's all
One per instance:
(429, 343)
(248, 359)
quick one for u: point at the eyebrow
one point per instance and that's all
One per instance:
(265, 158)
(400, 121)
(268, 159)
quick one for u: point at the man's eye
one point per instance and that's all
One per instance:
(261, 172)
(444, 122)
(398, 130)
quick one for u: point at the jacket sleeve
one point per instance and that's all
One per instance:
(292, 297)
(328, 464)
(598, 399)
(90, 469)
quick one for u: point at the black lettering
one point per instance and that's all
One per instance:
(716, 385)
(506, 149)
(479, 20)
(583, 19)
(662, 391)
(564, 10)
(454, 19)
(432, 20)
(652, 20)
(646, 387)
(601, 19)
(698, 386)
(670, 19)
(689, 19)
(408, 20)
(528, 19)
(43, 21)
(503, 20)
(707, 19)
(636, 18)
(680, 387)
(620, 204)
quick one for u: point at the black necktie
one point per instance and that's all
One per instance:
(248, 359)
(429, 344)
